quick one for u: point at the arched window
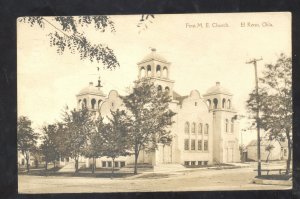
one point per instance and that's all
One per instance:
(224, 103)
(148, 70)
(143, 72)
(208, 103)
(158, 71)
(215, 103)
(206, 129)
(165, 72)
(193, 128)
(167, 89)
(159, 88)
(226, 125)
(84, 103)
(80, 103)
(187, 128)
(200, 128)
(232, 126)
(93, 102)
(229, 104)
(99, 103)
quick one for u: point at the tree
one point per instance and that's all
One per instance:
(49, 146)
(269, 148)
(275, 102)
(116, 136)
(77, 126)
(150, 116)
(26, 138)
(95, 148)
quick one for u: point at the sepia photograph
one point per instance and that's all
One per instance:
(154, 103)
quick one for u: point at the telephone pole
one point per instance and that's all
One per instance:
(254, 62)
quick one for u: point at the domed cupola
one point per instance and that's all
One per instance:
(90, 97)
(218, 97)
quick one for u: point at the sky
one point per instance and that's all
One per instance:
(202, 49)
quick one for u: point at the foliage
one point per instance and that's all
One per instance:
(275, 101)
(150, 116)
(26, 138)
(49, 146)
(77, 125)
(67, 35)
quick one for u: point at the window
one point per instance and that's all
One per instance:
(148, 70)
(208, 103)
(186, 144)
(226, 125)
(205, 145)
(143, 72)
(193, 128)
(122, 164)
(206, 129)
(215, 103)
(205, 163)
(116, 164)
(193, 162)
(103, 164)
(232, 126)
(200, 128)
(186, 163)
(165, 72)
(84, 103)
(199, 162)
(167, 89)
(159, 88)
(93, 102)
(109, 163)
(158, 73)
(187, 128)
(223, 103)
(229, 104)
(193, 144)
(200, 145)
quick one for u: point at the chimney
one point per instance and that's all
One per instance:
(217, 83)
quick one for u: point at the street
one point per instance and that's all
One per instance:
(188, 180)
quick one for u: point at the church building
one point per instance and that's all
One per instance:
(205, 128)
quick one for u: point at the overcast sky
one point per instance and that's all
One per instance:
(199, 56)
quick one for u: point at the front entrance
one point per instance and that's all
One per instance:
(165, 154)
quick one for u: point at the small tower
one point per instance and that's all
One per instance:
(157, 68)
(90, 97)
(225, 124)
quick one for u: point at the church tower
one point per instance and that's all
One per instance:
(157, 68)
(225, 124)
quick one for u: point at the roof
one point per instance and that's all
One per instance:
(178, 97)
(217, 89)
(263, 142)
(153, 56)
(91, 90)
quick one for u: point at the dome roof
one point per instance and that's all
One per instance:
(91, 90)
(218, 89)
(153, 56)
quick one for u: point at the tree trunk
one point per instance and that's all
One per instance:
(288, 162)
(267, 160)
(93, 166)
(136, 155)
(76, 165)
(113, 167)
(27, 162)
(46, 165)
(54, 164)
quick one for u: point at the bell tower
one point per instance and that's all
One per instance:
(157, 68)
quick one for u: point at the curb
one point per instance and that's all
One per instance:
(272, 182)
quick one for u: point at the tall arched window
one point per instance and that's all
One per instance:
(159, 88)
(84, 102)
(99, 102)
(158, 71)
(187, 128)
(208, 103)
(143, 72)
(80, 103)
(223, 103)
(167, 89)
(206, 129)
(193, 128)
(232, 126)
(215, 103)
(165, 72)
(200, 128)
(93, 102)
(148, 70)
(226, 125)
(229, 104)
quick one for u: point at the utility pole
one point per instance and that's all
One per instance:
(254, 62)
